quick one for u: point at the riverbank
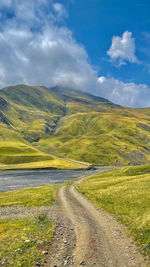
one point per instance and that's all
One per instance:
(55, 164)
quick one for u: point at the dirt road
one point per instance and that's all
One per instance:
(87, 236)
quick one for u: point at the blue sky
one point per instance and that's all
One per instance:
(98, 46)
(95, 22)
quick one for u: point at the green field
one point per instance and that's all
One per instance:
(125, 193)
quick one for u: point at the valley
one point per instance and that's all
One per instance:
(73, 132)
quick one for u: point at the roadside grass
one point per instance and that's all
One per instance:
(125, 193)
(31, 197)
(22, 241)
(44, 195)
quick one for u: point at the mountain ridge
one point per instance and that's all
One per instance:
(73, 124)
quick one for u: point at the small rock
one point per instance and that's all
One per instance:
(65, 242)
(45, 252)
(38, 264)
(65, 263)
(82, 263)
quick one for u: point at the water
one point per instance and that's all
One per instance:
(23, 179)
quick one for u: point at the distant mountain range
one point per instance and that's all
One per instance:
(35, 121)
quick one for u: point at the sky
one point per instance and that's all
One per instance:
(99, 46)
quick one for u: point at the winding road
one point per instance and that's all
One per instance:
(91, 237)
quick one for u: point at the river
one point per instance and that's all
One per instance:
(12, 180)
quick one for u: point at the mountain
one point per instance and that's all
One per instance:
(35, 121)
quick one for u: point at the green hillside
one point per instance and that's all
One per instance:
(124, 192)
(23, 118)
(70, 124)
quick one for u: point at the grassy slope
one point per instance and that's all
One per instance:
(125, 193)
(71, 124)
(101, 134)
(17, 153)
(26, 115)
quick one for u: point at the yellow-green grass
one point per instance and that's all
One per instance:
(23, 240)
(21, 155)
(31, 197)
(55, 163)
(19, 151)
(105, 138)
(13, 233)
(72, 125)
(125, 193)
(44, 195)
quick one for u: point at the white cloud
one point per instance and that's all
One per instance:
(48, 56)
(125, 94)
(123, 49)
(59, 10)
(36, 51)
